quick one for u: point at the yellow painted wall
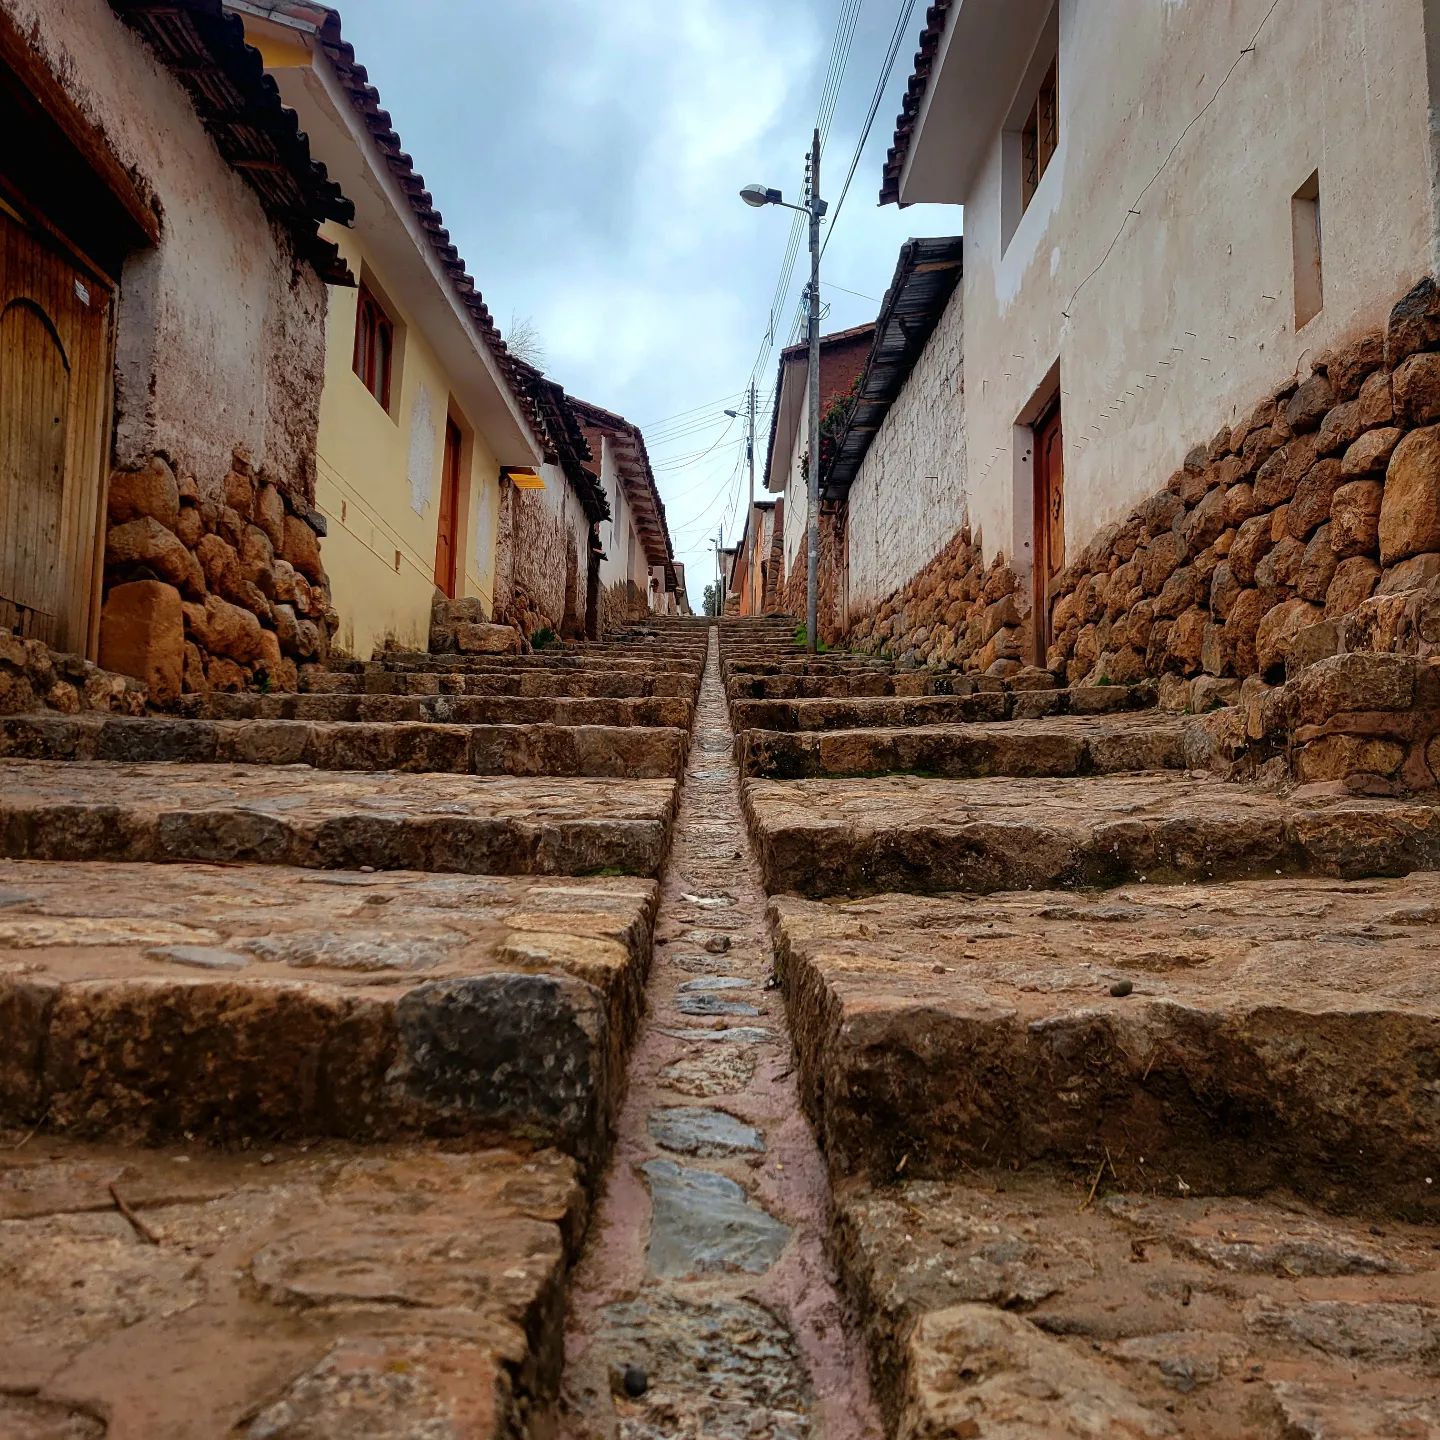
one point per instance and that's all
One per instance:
(375, 468)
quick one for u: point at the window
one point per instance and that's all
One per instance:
(1039, 136)
(1309, 275)
(374, 346)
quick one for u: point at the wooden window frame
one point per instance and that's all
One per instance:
(1040, 135)
(373, 360)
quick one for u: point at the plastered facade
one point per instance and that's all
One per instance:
(1191, 314)
(909, 497)
(380, 474)
(220, 333)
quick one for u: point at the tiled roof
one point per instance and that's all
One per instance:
(640, 488)
(563, 437)
(240, 106)
(325, 22)
(926, 275)
(935, 18)
(842, 358)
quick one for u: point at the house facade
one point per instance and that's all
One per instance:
(423, 413)
(842, 357)
(163, 291)
(1192, 286)
(637, 574)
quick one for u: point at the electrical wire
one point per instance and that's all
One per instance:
(897, 38)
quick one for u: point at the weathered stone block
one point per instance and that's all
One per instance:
(1414, 323)
(230, 631)
(1277, 631)
(1310, 506)
(1308, 405)
(142, 633)
(487, 640)
(1417, 389)
(1317, 567)
(301, 548)
(1280, 568)
(1354, 582)
(150, 492)
(1410, 511)
(1371, 453)
(1337, 757)
(1355, 517)
(1350, 365)
(240, 494)
(1252, 543)
(270, 514)
(1358, 681)
(1411, 574)
(147, 543)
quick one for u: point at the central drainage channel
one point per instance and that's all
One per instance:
(704, 1304)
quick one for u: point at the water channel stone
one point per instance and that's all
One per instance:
(691, 1130)
(703, 1222)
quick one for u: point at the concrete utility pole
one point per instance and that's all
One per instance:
(816, 206)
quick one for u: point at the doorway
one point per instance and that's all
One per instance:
(54, 383)
(1049, 522)
(447, 538)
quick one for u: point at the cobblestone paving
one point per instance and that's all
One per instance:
(704, 1305)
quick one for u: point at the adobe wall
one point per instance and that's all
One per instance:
(220, 333)
(212, 574)
(909, 497)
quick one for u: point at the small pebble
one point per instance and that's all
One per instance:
(636, 1381)
(718, 944)
(1121, 988)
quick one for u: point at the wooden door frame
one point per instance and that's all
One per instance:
(1049, 418)
(452, 468)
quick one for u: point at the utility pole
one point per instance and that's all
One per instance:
(816, 207)
(719, 571)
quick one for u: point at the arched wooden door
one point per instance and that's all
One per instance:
(54, 371)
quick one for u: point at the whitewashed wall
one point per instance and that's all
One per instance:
(910, 495)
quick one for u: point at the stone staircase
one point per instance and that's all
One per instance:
(1124, 1074)
(314, 1016)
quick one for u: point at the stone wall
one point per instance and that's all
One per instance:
(794, 591)
(219, 587)
(908, 499)
(33, 677)
(621, 603)
(541, 564)
(1314, 521)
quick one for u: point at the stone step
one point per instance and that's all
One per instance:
(397, 1291)
(857, 684)
(230, 1003)
(322, 819)
(665, 711)
(1220, 1039)
(1028, 1307)
(610, 663)
(601, 751)
(853, 712)
(1068, 745)
(520, 684)
(862, 837)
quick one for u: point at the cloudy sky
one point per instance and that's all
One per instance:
(587, 157)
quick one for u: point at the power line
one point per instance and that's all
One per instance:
(897, 37)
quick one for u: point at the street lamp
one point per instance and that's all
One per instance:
(758, 195)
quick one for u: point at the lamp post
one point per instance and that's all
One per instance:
(815, 208)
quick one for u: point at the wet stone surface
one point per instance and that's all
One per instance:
(692, 1130)
(711, 1277)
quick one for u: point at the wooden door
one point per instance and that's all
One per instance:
(447, 540)
(1049, 552)
(54, 389)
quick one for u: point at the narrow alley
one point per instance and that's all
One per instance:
(894, 901)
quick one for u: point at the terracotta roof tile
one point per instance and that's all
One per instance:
(935, 18)
(240, 106)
